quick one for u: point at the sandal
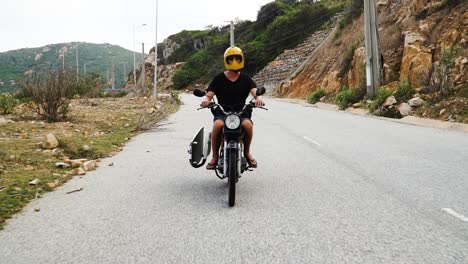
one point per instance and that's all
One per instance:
(252, 163)
(211, 165)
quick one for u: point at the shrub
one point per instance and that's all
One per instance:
(175, 96)
(315, 96)
(113, 94)
(382, 95)
(404, 91)
(50, 92)
(344, 98)
(348, 59)
(89, 85)
(441, 79)
(7, 103)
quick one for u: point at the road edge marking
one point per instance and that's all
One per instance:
(310, 140)
(455, 214)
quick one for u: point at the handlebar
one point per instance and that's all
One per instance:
(251, 104)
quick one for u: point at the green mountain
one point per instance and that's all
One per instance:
(95, 58)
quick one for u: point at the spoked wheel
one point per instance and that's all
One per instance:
(232, 175)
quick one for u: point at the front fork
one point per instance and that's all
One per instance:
(241, 163)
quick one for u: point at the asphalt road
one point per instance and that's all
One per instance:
(331, 187)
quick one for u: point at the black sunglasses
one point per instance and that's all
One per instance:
(234, 57)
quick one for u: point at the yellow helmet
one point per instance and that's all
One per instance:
(233, 59)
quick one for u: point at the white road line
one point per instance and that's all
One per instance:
(310, 140)
(457, 215)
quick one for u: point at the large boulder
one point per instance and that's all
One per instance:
(357, 74)
(416, 65)
(331, 83)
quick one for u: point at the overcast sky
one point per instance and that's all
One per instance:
(36, 23)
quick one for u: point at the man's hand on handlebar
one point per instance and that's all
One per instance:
(206, 101)
(259, 101)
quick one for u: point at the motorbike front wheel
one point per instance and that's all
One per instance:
(232, 175)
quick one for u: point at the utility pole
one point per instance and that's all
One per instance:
(134, 56)
(134, 59)
(156, 57)
(124, 64)
(113, 74)
(63, 59)
(372, 48)
(77, 65)
(143, 68)
(232, 33)
(84, 68)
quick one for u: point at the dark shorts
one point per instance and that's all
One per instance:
(219, 115)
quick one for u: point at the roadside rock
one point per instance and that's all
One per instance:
(50, 142)
(80, 171)
(34, 182)
(62, 165)
(90, 165)
(3, 121)
(415, 102)
(76, 162)
(151, 110)
(86, 148)
(390, 101)
(53, 184)
(404, 109)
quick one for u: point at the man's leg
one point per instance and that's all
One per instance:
(248, 134)
(216, 139)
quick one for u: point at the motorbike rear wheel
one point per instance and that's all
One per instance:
(232, 174)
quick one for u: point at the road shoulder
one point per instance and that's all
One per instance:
(410, 120)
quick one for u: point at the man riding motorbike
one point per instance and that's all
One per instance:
(232, 88)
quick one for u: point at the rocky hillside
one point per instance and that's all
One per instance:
(291, 61)
(423, 41)
(262, 40)
(97, 58)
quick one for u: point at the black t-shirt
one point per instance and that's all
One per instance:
(229, 93)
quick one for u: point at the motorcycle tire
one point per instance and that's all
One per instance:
(232, 176)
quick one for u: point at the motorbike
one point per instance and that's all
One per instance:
(231, 162)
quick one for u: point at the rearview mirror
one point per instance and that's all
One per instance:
(260, 91)
(199, 92)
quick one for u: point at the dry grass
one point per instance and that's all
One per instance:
(102, 124)
(391, 38)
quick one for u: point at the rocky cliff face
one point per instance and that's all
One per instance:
(167, 48)
(165, 74)
(420, 41)
(166, 69)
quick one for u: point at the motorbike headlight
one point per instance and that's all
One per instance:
(232, 121)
